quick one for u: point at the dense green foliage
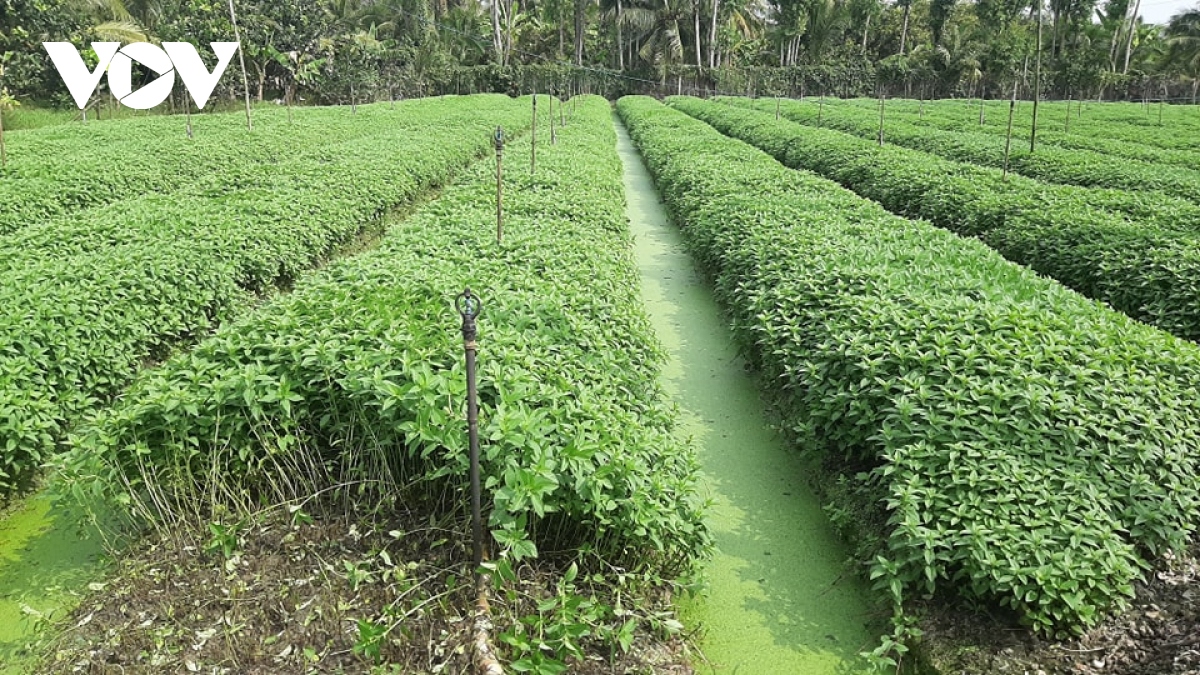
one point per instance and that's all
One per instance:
(360, 371)
(1049, 163)
(60, 171)
(339, 50)
(1146, 265)
(1031, 446)
(84, 305)
(1144, 142)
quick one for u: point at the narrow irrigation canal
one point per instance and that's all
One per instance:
(778, 600)
(48, 555)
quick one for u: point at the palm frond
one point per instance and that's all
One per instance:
(120, 31)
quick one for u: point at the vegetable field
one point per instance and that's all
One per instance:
(1015, 442)
(92, 294)
(987, 366)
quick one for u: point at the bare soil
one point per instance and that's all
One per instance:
(294, 594)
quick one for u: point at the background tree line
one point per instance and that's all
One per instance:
(332, 51)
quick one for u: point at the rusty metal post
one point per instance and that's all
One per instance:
(553, 136)
(499, 138)
(533, 143)
(469, 306)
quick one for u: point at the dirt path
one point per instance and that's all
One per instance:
(778, 600)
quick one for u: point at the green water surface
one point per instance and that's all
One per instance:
(780, 600)
(48, 555)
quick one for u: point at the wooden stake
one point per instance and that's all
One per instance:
(242, 59)
(1067, 125)
(1012, 107)
(776, 108)
(3, 151)
(553, 136)
(820, 108)
(881, 97)
(533, 137)
(499, 138)
(485, 659)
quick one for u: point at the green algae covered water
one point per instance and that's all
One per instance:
(48, 555)
(779, 598)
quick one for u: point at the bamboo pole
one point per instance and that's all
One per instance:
(1012, 108)
(881, 98)
(1037, 81)
(242, 59)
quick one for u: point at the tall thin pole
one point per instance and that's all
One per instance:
(241, 58)
(499, 138)
(533, 134)
(469, 307)
(1012, 107)
(881, 97)
(1037, 80)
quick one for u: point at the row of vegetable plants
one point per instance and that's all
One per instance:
(1092, 120)
(1111, 139)
(74, 330)
(219, 206)
(1152, 208)
(1133, 123)
(358, 375)
(1028, 446)
(1148, 270)
(60, 170)
(1053, 165)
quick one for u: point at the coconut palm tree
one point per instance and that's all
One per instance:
(1183, 44)
(861, 14)
(907, 5)
(121, 21)
(825, 21)
(658, 27)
